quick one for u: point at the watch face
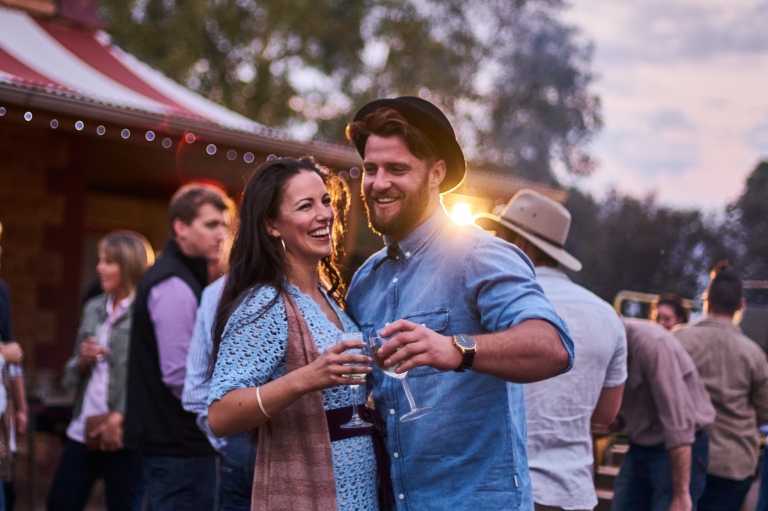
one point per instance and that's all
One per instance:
(465, 341)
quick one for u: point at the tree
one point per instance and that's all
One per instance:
(750, 216)
(631, 244)
(512, 77)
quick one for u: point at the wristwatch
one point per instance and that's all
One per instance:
(467, 346)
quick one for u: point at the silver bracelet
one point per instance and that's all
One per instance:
(261, 405)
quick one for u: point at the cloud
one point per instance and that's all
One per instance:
(664, 142)
(679, 30)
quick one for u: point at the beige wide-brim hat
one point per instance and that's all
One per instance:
(540, 220)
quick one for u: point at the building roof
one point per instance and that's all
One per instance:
(70, 68)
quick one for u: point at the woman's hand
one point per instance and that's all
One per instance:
(328, 369)
(90, 351)
(11, 352)
(239, 409)
(110, 433)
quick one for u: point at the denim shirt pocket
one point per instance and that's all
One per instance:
(436, 321)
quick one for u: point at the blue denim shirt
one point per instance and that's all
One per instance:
(469, 451)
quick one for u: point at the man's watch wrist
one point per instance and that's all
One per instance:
(467, 347)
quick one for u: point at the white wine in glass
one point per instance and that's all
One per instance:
(375, 342)
(356, 421)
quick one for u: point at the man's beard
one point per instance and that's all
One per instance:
(403, 221)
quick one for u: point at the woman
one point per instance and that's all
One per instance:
(275, 336)
(98, 371)
(667, 310)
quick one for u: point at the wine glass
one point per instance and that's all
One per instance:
(375, 342)
(356, 421)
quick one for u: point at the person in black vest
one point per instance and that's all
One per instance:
(179, 464)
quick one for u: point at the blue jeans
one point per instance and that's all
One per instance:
(78, 470)
(238, 460)
(644, 482)
(175, 483)
(724, 494)
(762, 502)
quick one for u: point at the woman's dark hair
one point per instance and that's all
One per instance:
(256, 258)
(670, 300)
(724, 292)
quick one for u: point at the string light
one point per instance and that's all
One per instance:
(344, 175)
(167, 142)
(354, 172)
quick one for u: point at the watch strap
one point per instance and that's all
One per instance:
(467, 355)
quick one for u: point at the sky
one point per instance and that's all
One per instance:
(684, 88)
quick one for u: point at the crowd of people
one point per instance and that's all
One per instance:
(209, 386)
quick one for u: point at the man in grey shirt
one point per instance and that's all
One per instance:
(563, 411)
(667, 413)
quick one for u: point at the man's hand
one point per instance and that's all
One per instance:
(110, 433)
(11, 352)
(416, 345)
(681, 503)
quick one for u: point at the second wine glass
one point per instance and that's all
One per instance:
(375, 342)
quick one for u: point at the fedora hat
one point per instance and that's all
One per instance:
(431, 121)
(540, 220)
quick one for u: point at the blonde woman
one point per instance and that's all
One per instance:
(97, 371)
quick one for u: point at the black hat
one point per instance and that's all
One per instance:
(431, 121)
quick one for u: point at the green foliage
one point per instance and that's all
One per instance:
(631, 244)
(513, 78)
(751, 214)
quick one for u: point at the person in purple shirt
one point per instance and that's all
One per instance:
(179, 464)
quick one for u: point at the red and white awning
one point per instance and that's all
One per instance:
(83, 63)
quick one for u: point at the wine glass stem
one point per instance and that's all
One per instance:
(408, 394)
(355, 415)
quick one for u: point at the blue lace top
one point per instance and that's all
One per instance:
(252, 353)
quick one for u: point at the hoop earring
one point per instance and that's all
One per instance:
(283, 242)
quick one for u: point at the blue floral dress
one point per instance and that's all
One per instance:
(252, 353)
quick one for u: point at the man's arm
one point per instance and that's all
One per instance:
(606, 410)
(680, 459)
(528, 352)
(172, 306)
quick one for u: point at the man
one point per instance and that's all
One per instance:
(735, 372)
(464, 313)
(666, 411)
(238, 454)
(179, 464)
(562, 411)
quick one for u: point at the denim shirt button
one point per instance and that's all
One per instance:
(401, 496)
(407, 255)
(391, 411)
(394, 281)
(396, 455)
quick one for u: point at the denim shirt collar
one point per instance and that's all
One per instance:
(416, 239)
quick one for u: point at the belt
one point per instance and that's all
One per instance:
(378, 431)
